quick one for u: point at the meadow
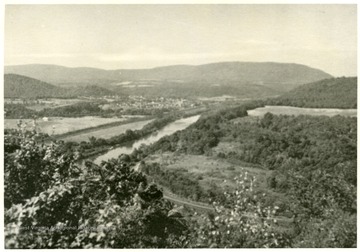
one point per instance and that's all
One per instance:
(60, 125)
(210, 171)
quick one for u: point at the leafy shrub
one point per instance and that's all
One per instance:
(104, 206)
(241, 221)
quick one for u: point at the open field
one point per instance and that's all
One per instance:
(107, 132)
(209, 170)
(61, 125)
(287, 110)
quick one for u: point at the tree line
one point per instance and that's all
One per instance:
(80, 109)
(328, 93)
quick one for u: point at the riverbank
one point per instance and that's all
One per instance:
(99, 147)
(100, 127)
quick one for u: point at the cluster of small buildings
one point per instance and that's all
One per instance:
(141, 102)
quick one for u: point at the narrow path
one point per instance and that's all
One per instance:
(188, 203)
(209, 208)
(203, 206)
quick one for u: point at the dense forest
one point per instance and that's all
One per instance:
(22, 86)
(313, 160)
(327, 93)
(18, 111)
(204, 134)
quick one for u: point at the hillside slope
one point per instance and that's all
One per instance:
(58, 74)
(18, 86)
(253, 72)
(328, 93)
(25, 87)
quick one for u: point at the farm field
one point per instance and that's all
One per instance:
(60, 125)
(41, 104)
(107, 132)
(287, 110)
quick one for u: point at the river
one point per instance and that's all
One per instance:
(167, 130)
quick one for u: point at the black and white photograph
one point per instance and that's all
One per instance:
(188, 126)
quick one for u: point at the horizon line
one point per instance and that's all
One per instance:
(160, 66)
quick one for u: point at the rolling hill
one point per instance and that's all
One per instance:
(90, 90)
(279, 76)
(18, 86)
(25, 87)
(328, 93)
(58, 74)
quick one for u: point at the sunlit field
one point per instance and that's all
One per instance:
(108, 132)
(60, 125)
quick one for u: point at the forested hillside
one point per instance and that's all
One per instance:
(24, 87)
(328, 93)
(18, 86)
(90, 90)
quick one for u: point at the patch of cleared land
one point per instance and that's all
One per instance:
(226, 147)
(287, 110)
(61, 125)
(107, 132)
(209, 170)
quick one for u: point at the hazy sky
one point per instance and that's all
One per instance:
(144, 36)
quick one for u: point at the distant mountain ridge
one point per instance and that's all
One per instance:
(19, 86)
(273, 75)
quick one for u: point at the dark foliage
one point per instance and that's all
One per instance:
(19, 86)
(328, 93)
(313, 160)
(53, 203)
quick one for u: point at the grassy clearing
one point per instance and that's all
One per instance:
(209, 170)
(221, 172)
(61, 125)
